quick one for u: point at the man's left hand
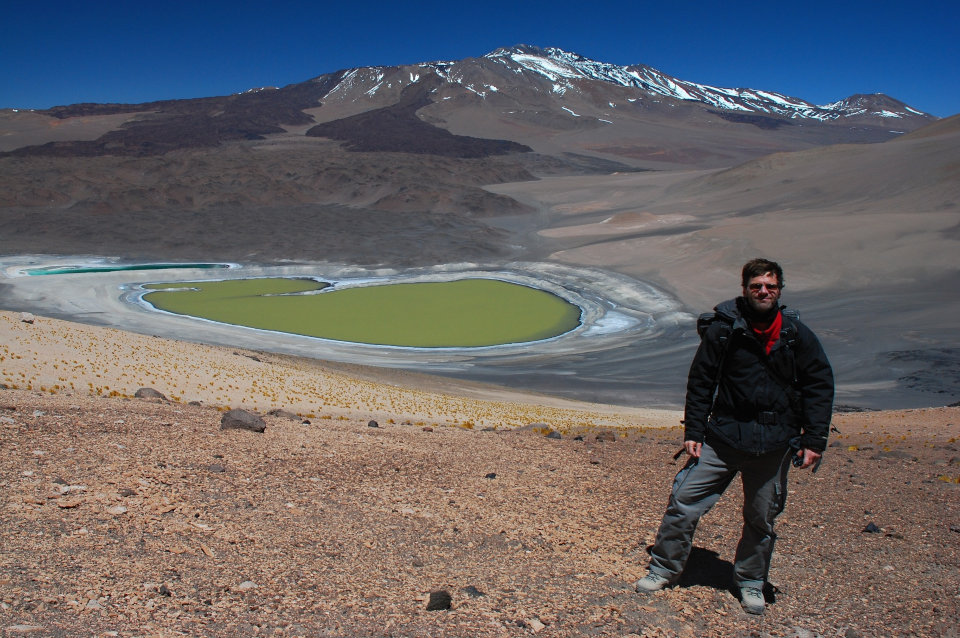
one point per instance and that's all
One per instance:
(810, 457)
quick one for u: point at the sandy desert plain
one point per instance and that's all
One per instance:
(530, 500)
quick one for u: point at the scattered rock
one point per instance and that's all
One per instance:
(117, 510)
(246, 585)
(893, 454)
(26, 317)
(491, 475)
(871, 528)
(553, 434)
(216, 468)
(163, 590)
(125, 492)
(242, 420)
(149, 393)
(24, 629)
(372, 424)
(439, 600)
(606, 436)
(428, 429)
(283, 414)
(472, 591)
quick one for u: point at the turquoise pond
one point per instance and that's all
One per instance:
(71, 270)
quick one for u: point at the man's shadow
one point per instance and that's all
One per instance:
(706, 568)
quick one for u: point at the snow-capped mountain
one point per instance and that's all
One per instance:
(518, 99)
(514, 71)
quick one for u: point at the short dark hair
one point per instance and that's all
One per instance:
(760, 266)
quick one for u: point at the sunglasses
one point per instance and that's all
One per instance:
(769, 287)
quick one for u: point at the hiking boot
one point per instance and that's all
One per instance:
(752, 601)
(651, 582)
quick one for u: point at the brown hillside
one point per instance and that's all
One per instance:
(145, 517)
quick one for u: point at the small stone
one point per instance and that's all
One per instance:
(26, 317)
(606, 436)
(535, 625)
(246, 585)
(372, 424)
(553, 434)
(93, 605)
(491, 475)
(439, 601)
(472, 591)
(117, 510)
(163, 590)
(216, 468)
(871, 528)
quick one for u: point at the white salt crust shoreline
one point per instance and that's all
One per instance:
(626, 311)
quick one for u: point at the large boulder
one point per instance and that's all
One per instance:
(149, 393)
(238, 419)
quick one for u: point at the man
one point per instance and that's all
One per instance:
(759, 396)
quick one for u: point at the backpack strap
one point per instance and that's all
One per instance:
(704, 321)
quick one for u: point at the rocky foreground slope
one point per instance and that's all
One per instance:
(143, 517)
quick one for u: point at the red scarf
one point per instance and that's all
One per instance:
(771, 334)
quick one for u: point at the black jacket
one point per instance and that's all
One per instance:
(762, 402)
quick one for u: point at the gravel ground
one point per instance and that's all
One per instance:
(134, 517)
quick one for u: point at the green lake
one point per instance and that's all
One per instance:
(460, 313)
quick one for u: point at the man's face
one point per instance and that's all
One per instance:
(763, 292)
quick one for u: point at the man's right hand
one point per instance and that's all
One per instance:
(693, 448)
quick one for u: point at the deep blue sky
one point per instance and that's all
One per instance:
(58, 52)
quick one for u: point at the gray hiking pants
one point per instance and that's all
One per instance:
(698, 487)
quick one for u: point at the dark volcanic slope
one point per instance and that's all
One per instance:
(176, 124)
(397, 128)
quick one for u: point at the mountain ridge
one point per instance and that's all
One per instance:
(538, 91)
